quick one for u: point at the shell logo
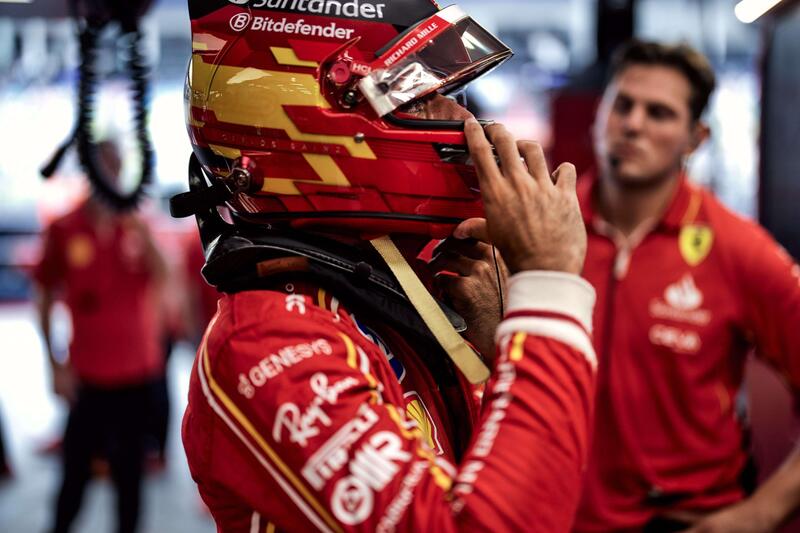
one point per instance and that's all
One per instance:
(416, 410)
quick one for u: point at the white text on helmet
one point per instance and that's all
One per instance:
(283, 26)
(353, 8)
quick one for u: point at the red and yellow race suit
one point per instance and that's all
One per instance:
(304, 416)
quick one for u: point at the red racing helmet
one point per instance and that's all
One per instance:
(296, 106)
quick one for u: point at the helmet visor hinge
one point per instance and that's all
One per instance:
(195, 202)
(200, 199)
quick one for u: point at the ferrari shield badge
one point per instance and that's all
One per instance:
(695, 243)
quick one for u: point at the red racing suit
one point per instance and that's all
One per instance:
(680, 306)
(302, 417)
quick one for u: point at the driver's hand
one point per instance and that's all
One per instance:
(466, 271)
(532, 218)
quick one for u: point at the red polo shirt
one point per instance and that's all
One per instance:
(679, 307)
(107, 287)
(206, 295)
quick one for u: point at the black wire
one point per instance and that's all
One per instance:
(88, 82)
(87, 88)
(499, 280)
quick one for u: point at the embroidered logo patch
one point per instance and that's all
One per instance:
(695, 243)
(80, 251)
(416, 410)
(682, 302)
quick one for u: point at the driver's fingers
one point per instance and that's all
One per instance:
(472, 228)
(489, 176)
(534, 158)
(472, 248)
(449, 262)
(565, 177)
(506, 146)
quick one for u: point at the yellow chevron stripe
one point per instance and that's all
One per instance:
(321, 298)
(255, 97)
(439, 476)
(225, 151)
(694, 207)
(287, 56)
(517, 347)
(410, 434)
(352, 362)
(441, 479)
(352, 356)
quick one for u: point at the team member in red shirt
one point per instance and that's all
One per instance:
(201, 298)
(685, 290)
(107, 269)
(330, 390)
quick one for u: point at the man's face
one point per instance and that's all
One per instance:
(644, 126)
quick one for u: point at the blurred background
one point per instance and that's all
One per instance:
(546, 92)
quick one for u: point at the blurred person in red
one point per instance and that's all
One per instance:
(686, 289)
(201, 297)
(107, 268)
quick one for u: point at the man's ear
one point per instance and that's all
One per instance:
(700, 132)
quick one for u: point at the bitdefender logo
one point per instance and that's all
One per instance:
(240, 21)
(299, 27)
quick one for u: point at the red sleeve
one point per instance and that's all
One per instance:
(315, 436)
(49, 270)
(771, 283)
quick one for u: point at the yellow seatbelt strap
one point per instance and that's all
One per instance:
(464, 357)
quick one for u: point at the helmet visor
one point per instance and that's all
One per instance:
(442, 53)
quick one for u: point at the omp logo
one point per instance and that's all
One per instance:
(372, 468)
(240, 21)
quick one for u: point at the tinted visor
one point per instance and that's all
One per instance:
(442, 53)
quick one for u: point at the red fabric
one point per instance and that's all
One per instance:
(206, 295)
(671, 341)
(107, 288)
(572, 113)
(324, 441)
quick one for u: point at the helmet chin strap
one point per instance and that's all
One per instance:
(462, 355)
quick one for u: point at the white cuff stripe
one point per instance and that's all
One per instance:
(553, 292)
(560, 330)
